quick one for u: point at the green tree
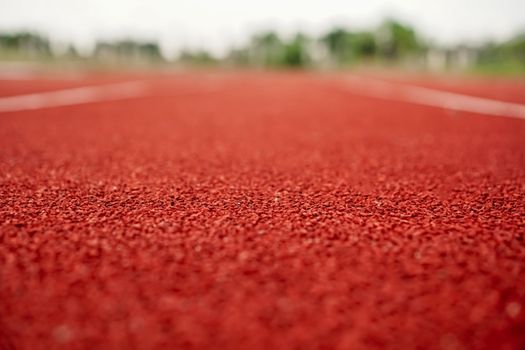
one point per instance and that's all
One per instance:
(338, 44)
(350, 47)
(364, 44)
(296, 52)
(267, 49)
(198, 57)
(397, 40)
(26, 43)
(128, 50)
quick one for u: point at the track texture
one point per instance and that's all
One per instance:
(259, 211)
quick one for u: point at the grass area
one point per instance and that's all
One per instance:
(10, 60)
(508, 69)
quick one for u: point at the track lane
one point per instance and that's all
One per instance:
(257, 211)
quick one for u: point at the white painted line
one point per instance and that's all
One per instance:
(27, 75)
(431, 97)
(22, 71)
(73, 96)
(16, 75)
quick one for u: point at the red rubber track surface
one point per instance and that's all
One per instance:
(258, 211)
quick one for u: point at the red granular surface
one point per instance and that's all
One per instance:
(260, 211)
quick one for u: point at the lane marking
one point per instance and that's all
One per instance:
(19, 71)
(73, 96)
(376, 88)
(16, 75)
(26, 75)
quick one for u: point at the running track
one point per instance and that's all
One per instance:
(260, 211)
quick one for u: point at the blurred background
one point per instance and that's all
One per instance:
(480, 36)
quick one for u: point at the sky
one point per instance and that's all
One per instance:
(219, 24)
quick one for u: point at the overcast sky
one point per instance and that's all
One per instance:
(218, 24)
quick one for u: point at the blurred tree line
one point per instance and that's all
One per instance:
(30, 44)
(127, 51)
(508, 56)
(392, 42)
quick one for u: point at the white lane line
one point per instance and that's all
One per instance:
(431, 97)
(16, 75)
(73, 96)
(26, 75)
